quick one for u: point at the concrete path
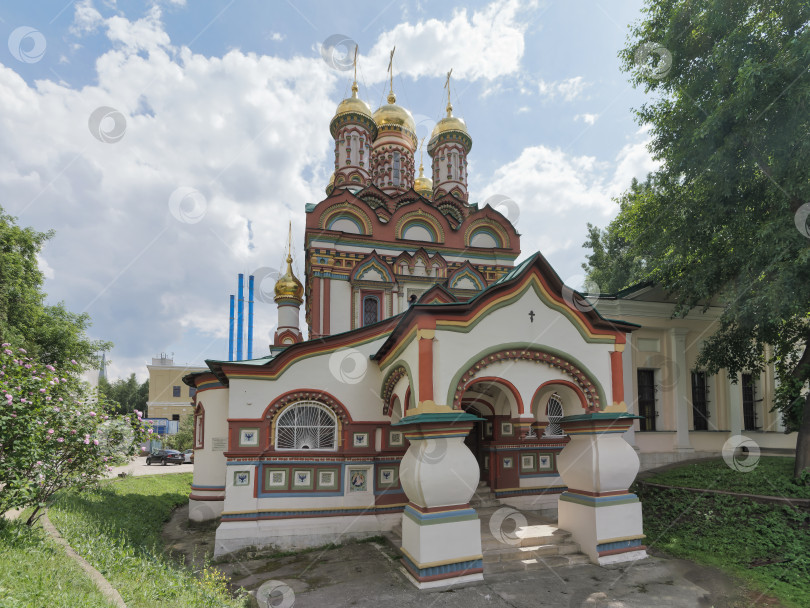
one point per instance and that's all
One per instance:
(138, 466)
(369, 575)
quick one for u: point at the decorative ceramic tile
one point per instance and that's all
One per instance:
(507, 429)
(328, 479)
(241, 478)
(302, 479)
(396, 439)
(360, 440)
(387, 477)
(275, 478)
(508, 462)
(248, 438)
(358, 480)
(528, 463)
(545, 462)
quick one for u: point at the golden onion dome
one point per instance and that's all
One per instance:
(288, 286)
(392, 114)
(331, 185)
(353, 104)
(423, 185)
(449, 123)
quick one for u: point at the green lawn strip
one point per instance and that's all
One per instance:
(766, 545)
(36, 572)
(772, 476)
(117, 529)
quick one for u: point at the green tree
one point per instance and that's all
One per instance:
(183, 439)
(54, 432)
(729, 111)
(50, 333)
(128, 395)
(612, 264)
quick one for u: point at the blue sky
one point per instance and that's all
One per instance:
(216, 135)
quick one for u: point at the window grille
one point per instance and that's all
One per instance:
(554, 411)
(306, 426)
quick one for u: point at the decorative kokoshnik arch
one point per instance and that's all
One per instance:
(399, 371)
(307, 395)
(583, 380)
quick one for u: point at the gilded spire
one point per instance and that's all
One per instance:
(288, 286)
(447, 86)
(354, 84)
(391, 97)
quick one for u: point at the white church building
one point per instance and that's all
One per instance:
(434, 364)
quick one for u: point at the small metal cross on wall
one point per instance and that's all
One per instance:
(531, 316)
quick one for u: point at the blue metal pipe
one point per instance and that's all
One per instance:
(240, 317)
(250, 317)
(230, 333)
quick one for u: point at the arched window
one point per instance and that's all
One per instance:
(371, 310)
(307, 425)
(554, 411)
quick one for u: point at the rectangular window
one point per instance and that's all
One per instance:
(175, 416)
(396, 168)
(192, 391)
(371, 308)
(748, 403)
(175, 391)
(646, 399)
(700, 402)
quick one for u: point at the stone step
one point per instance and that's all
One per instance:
(535, 563)
(508, 554)
(524, 539)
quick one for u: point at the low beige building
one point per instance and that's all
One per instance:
(168, 397)
(688, 413)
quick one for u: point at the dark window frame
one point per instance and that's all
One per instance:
(749, 402)
(700, 401)
(176, 390)
(646, 398)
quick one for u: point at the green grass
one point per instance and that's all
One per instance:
(117, 529)
(773, 476)
(766, 545)
(36, 572)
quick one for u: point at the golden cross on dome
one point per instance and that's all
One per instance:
(447, 86)
(356, 47)
(289, 244)
(391, 70)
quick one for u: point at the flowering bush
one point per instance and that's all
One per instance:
(54, 432)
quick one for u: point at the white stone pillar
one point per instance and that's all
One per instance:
(735, 413)
(680, 389)
(598, 466)
(629, 396)
(441, 533)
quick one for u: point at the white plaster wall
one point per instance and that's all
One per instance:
(511, 325)
(209, 464)
(346, 373)
(340, 299)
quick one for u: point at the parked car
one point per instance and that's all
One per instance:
(189, 456)
(165, 457)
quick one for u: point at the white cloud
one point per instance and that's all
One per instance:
(557, 194)
(588, 119)
(86, 18)
(482, 46)
(44, 267)
(246, 131)
(568, 89)
(276, 36)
